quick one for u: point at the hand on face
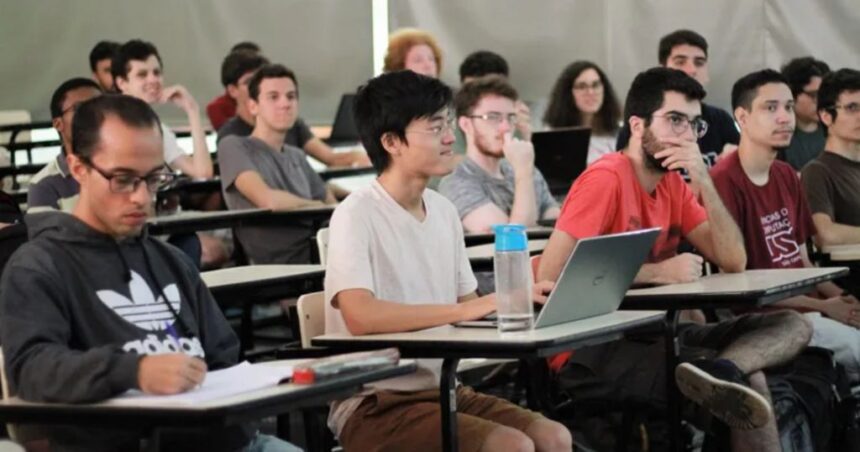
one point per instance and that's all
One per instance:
(524, 120)
(179, 96)
(678, 153)
(520, 153)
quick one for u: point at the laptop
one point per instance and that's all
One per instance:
(343, 130)
(594, 280)
(561, 156)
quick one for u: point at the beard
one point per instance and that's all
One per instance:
(651, 146)
(483, 146)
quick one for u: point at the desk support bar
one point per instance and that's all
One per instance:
(448, 404)
(673, 397)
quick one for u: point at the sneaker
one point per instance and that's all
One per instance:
(720, 387)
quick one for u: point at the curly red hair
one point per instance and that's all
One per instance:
(404, 39)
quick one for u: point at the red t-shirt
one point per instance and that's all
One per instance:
(774, 219)
(220, 110)
(607, 198)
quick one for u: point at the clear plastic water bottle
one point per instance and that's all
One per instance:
(513, 279)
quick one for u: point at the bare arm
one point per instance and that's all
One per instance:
(482, 218)
(363, 313)
(555, 255)
(317, 149)
(831, 233)
(253, 187)
(551, 214)
(199, 164)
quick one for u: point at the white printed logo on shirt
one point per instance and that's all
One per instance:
(779, 236)
(143, 310)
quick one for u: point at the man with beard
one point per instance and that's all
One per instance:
(767, 201)
(497, 182)
(638, 188)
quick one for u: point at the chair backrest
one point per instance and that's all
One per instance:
(311, 310)
(322, 245)
(14, 117)
(11, 429)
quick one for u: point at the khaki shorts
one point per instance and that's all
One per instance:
(403, 421)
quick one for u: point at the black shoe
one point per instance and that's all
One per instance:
(720, 387)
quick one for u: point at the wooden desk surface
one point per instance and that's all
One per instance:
(479, 238)
(487, 251)
(448, 340)
(843, 253)
(250, 274)
(229, 410)
(750, 289)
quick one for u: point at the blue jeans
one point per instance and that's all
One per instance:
(269, 443)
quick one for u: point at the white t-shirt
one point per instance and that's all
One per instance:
(375, 244)
(172, 151)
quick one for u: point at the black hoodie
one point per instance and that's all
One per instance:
(78, 309)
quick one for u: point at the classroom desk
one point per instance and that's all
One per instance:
(842, 253)
(750, 289)
(248, 285)
(481, 256)
(335, 172)
(218, 413)
(481, 238)
(452, 343)
(194, 221)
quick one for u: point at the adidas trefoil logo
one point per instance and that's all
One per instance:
(143, 310)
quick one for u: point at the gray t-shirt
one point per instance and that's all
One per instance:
(298, 135)
(470, 187)
(804, 147)
(287, 170)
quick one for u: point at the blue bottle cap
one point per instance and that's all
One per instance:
(510, 237)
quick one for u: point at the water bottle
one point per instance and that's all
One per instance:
(513, 279)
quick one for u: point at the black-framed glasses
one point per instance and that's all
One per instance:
(596, 85)
(852, 108)
(680, 124)
(496, 118)
(128, 183)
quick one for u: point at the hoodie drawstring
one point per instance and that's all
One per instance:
(126, 272)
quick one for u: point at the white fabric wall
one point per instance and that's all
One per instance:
(329, 43)
(540, 37)
(326, 42)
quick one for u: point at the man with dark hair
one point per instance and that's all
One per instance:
(832, 180)
(497, 182)
(481, 63)
(243, 59)
(687, 51)
(100, 63)
(91, 307)
(240, 66)
(396, 263)
(236, 71)
(765, 198)
(639, 187)
(260, 170)
(53, 186)
(136, 70)
(803, 76)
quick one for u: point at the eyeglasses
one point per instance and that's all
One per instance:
(128, 183)
(681, 124)
(852, 108)
(440, 130)
(496, 118)
(596, 85)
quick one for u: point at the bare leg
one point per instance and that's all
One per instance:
(783, 335)
(550, 436)
(763, 439)
(507, 438)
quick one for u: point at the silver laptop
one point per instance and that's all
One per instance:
(594, 280)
